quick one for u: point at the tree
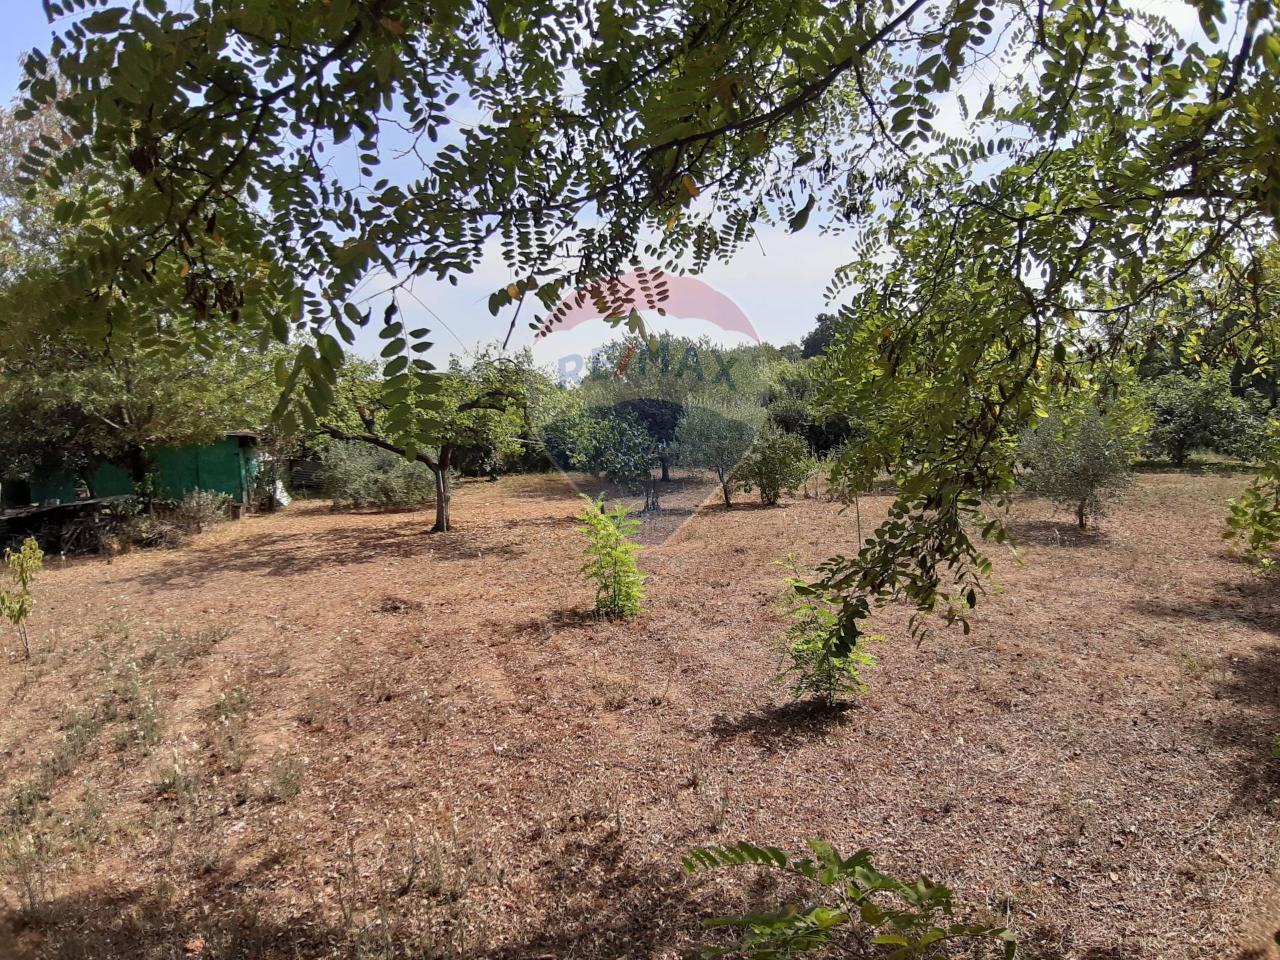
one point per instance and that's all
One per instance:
(716, 436)
(817, 340)
(68, 405)
(792, 400)
(651, 379)
(72, 402)
(1079, 457)
(474, 407)
(777, 463)
(1195, 412)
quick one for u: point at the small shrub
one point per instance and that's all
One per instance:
(777, 463)
(198, 509)
(174, 780)
(912, 919)
(180, 646)
(817, 666)
(1079, 458)
(16, 602)
(358, 475)
(231, 704)
(27, 862)
(611, 558)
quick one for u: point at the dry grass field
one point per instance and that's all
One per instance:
(319, 734)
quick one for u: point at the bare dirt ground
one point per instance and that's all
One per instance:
(333, 734)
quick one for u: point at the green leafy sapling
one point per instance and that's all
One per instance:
(816, 663)
(16, 602)
(908, 919)
(611, 558)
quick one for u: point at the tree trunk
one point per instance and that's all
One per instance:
(650, 496)
(666, 468)
(724, 487)
(135, 460)
(442, 492)
(1081, 519)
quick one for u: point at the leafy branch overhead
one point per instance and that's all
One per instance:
(853, 899)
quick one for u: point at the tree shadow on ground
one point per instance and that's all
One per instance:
(1252, 682)
(783, 726)
(611, 905)
(1051, 533)
(293, 554)
(1252, 603)
(141, 924)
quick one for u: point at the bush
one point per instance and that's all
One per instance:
(198, 509)
(913, 919)
(1079, 458)
(816, 665)
(1199, 412)
(611, 558)
(359, 475)
(777, 463)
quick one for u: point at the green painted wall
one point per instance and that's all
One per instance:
(223, 466)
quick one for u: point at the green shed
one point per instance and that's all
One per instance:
(229, 465)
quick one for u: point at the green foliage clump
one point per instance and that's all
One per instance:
(359, 475)
(611, 558)
(716, 436)
(1253, 518)
(911, 919)
(777, 463)
(819, 663)
(1079, 457)
(624, 453)
(794, 406)
(1199, 412)
(615, 446)
(16, 602)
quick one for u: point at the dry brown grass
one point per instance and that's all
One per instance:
(337, 735)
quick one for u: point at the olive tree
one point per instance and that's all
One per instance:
(716, 436)
(1079, 457)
